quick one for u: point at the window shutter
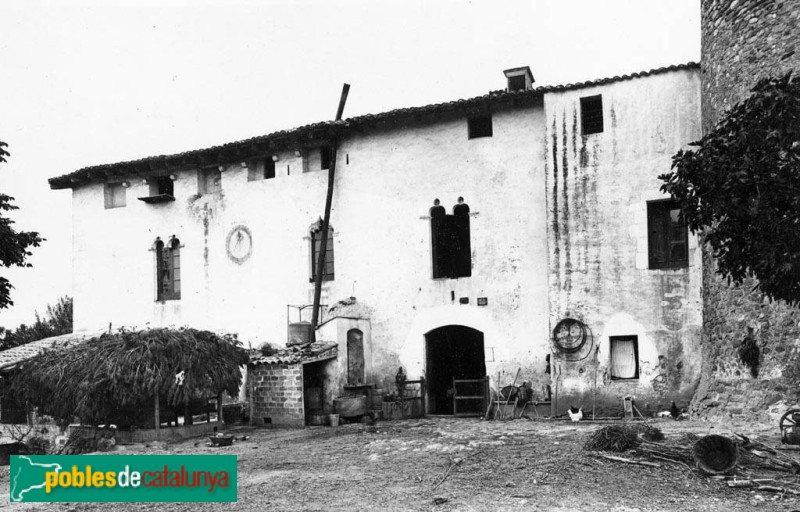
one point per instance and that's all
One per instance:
(438, 243)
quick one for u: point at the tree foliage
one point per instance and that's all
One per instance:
(57, 321)
(14, 245)
(741, 189)
(106, 378)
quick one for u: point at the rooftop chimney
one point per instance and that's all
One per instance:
(519, 79)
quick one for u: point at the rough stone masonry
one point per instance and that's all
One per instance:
(742, 42)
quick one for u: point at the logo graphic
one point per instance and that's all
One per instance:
(123, 478)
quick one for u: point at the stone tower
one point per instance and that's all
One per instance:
(742, 42)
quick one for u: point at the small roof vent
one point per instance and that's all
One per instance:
(519, 79)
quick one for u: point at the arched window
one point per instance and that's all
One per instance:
(355, 356)
(315, 235)
(450, 241)
(168, 269)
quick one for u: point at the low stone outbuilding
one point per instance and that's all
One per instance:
(278, 384)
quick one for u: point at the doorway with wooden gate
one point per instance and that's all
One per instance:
(453, 352)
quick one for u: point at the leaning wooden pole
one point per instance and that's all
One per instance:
(323, 245)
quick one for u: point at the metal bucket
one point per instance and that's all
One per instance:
(299, 333)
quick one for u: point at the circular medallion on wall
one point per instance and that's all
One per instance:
(569, 335)
(239, 244)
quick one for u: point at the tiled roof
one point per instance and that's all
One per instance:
(261, 145)
(308, 353)
(13, 356)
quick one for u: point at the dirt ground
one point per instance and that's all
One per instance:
(447, 464)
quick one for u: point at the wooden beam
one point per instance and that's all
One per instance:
(323, 246)
(157, 418)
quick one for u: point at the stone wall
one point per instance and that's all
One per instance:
(277, 395)
(744, 41)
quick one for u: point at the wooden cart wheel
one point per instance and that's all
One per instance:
(787, 422)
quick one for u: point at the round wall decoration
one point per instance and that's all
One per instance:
(239, 244)
(569, 335)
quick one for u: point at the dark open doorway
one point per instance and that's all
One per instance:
(453, 352)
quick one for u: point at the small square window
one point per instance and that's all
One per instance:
(479, 126)
(667, 236)
(624, 357)
(269, 168)
(261, 169)
(114, 195)
(163, 186)
(210, 181)
(516, 83)
(592, 114)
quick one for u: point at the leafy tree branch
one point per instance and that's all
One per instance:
(741, 189)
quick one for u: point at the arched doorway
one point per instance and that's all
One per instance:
(452, 352)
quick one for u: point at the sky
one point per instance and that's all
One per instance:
(86, 83)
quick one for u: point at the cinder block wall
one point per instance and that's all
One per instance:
(744, 41)
(277, 395)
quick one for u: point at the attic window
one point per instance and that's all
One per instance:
(115, 195)
(479, 126)
(592, 114)
(209, 181)
(164, 186)
(262, 169)
(325, 157)
(516, 83)
(161, 190)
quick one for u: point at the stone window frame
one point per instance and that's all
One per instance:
(174, 246)
(451, 241)
(637, 373)
(658, 214)
(313, 252)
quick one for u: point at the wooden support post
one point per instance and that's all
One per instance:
(219, 407)
(323, 245)
(251, 385)
(157, 417)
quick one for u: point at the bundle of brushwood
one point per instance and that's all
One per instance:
(711, 455)
(620, 438)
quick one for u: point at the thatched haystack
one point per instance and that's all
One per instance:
(108, 377)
